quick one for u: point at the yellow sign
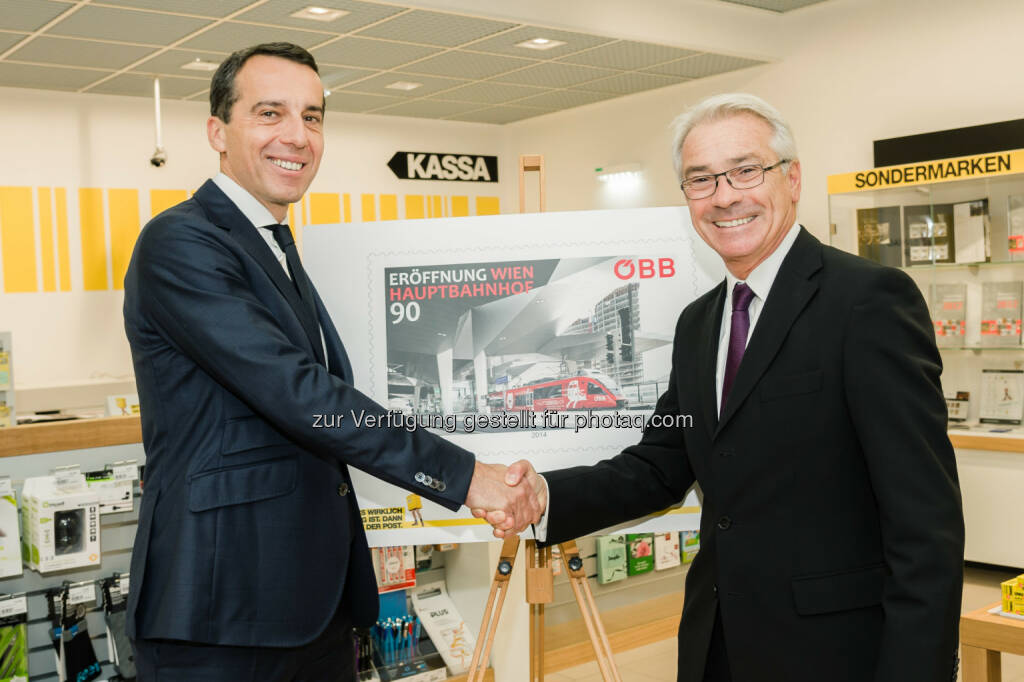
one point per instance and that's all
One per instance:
(943, 170)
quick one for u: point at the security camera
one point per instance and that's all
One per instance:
(159, 157)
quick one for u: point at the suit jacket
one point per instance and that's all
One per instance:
(831, 528)
(248, 530)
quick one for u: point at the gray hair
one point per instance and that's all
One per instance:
(731, 104)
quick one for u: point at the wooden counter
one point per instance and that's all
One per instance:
(968, 440)
(983, 636)
(31, 439)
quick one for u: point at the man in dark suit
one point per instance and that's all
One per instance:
(250, 561)
(831, 528)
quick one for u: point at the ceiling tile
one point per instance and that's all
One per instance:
(435, 28)
(359, 14)
(457, 64)
(231, 36)
(499, 115)
(374, 54)
(28, 15)
(775, 5)
(702, 65)
(107, 23)
(355, 102)
(205, 8)
(46, 77)
(506, 42)
(489, 92)
(627, 83)
(628, 55)
(171, 61)
(555, 75)
(8, 40)
(377, 85)
(336, 76)
(74, 52)
(142, 86)
(423, 108)
(563, 99)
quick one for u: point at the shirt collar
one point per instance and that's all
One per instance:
(762, 277)
(250, 207)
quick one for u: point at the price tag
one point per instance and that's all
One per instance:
(5, 486)
(82, 594)
(123, 584)
(13, 606)
(67, 476)
(125, 472)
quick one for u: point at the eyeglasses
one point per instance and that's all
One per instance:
(741, 177)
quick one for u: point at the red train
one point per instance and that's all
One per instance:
(589, 390)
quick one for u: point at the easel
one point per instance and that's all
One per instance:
(539, 577)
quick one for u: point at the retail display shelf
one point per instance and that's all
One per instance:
(31, 439)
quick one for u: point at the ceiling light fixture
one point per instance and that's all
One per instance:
(540, 44)
(198, 64)
(314, 13)
(403, 85)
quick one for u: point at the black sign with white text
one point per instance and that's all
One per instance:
(438, 166)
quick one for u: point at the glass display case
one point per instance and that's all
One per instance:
(956, 226)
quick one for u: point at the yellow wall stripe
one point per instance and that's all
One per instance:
(347, 201)
(94, 243)
(460, 207)
(46, 243)
(438, 205)
(487, 206)
(413, 206)
(63, 243)
(369, 207)
(324, 208)
(18, 239)
(162, 199)
(389, 207)
(124, 230)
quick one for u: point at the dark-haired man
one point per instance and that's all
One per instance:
(250, 561)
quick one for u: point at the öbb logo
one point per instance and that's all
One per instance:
(646, 268)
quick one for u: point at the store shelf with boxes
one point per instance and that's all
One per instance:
(956, 226)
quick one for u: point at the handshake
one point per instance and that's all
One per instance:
(509, 498)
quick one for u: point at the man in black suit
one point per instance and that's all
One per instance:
(831, 528)
(250, 561)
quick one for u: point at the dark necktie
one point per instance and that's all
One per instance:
(283, 237)
(742, 295)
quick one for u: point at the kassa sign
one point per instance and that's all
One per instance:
(438, 166)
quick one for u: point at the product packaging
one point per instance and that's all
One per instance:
(690, 540)
(611, 559)
(10, 546)
(395, 568)
(640, 555)
(61, 522)
(444, 625)
(14, 639)
(666, 550)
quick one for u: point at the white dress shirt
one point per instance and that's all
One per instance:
(259, 216)
(760, 281)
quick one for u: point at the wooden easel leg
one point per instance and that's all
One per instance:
(588, 609)
(492, 611)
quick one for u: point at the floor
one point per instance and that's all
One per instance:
(657, 662)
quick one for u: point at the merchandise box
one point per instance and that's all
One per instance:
(427, 666)
(395, 568)
(666, 550)
(690, 541)
(1000, 313)
(14, 639)
(879, 235)
(971, 231)
(10, 545)
(444, 625)
(640, 553)
(122, 405)
(7, 416)
(611, 559)
(928, 231)
(60, 523)
(948, 304)
(114, 488)
(1015, 225)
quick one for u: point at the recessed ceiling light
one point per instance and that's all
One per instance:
(540, 43)
(198, 64)
(313, 13)
(403, 85)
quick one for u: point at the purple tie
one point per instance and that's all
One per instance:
(742, 295)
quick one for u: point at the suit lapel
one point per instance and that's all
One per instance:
(339, 362)
(223, 213)
(707, 359)
(789, 295)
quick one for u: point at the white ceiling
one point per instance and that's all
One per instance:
(467, 64)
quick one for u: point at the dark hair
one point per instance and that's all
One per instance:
(222, 88)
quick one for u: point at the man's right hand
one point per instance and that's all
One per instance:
(495, 496)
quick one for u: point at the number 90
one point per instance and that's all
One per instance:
(409, 311)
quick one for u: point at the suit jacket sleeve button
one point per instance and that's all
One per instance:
(419, 477)
(724, 523)
(441, 486)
